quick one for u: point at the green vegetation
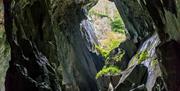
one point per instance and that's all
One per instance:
(113, 36)
(102, 51)
(114, 44)
(117, 25)
(113, 29)
(143, 56)
(92, 12)
(105, 51)
(111, 70)
(154, 62)
(118, 56)
(140, 57)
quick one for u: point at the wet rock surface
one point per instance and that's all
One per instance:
(142, 74)
(164, 19)
(170, 61)
(127, 50)
(52, 46)
(137, 21)
(132, 78)
(49, 50)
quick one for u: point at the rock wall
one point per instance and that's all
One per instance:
(137, 21)
(162, 17)
(50, 50)
(48, 46)
(165, 15)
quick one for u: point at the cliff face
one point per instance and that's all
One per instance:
(52, 46)
(165, 15)
(49, 48)
(143, 17)
(137, 21)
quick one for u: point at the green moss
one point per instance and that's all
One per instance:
(102, 51)
(143, 56)
(154, 62)
(113, 44)
(119, 56)
(105, 51)
(111, 70)
(117, 25)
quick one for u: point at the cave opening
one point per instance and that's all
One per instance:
(109, 26)
(110, 32)
(67, 57)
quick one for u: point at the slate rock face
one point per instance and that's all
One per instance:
(162, 17)
(132, 78)
(139, 27)
(29, 70)
(171, 62)
(49, 51)
(137, 21)
(166, 14)
(127, 50)
(142, 75)
(143, 17)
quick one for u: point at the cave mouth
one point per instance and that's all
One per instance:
(109, 26)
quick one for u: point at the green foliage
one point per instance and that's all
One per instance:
(143, 56)
(139, 57)
(92, 12)
(102, 51)
(113, 44)
(110, 43)
(154, 62)
(117, 25)
(105, 52)
(118, 56)
(111, 70)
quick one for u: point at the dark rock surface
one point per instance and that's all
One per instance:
(170, 60)
(52, 46)
(137, 21)
(127, 50)
(132, 78)
(49, 50)
(165, 17)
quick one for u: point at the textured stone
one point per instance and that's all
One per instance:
(137, 21)
(49, 50)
